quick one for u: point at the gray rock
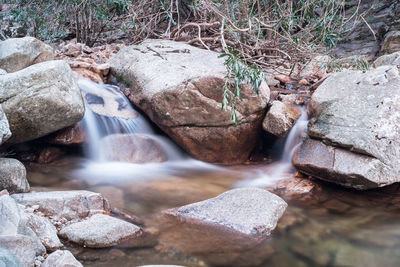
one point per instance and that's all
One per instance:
(19, 53)
(3, 72)
(7, 259)
(45, 230)
(10, 216)
(317, 64)
(13, 176)
(100, 231)
(358, 112)
(180, 88)
(391, 59)
(280, 118)
(61, 258)
(5, 132)
(229, 229)
(35, 105)
(24, 248)
(391, 43)
(65, 204)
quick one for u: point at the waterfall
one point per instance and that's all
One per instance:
(282, 168)
(110, 114)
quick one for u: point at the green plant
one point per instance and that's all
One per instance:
(361, 64)
(238, 74)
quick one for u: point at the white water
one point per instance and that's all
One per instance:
(96, 126)
(283, 168)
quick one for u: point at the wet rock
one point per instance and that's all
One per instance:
(230, 228)
(180, 88)
(35, 105)
(88, 74)
(7, 259)
(148, 238)
(391, 43)
(280, 118)
(356, 115)
(109, 103)
(391, 59)
(100, 231)
(45, 230)
(5, 132)
(72, 135)
(24, 248)
(65, 204)
(19, 53)
(61, 258)
(13, 176)
(135, 148)
(50, 154)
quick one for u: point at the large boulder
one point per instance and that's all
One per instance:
(354, 134)
(13, 176)
(180, 88)
(19, 53)
(40, 99)
(232, 228)
(65, 204)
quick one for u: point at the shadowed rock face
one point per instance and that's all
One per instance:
(180, 88)
(230, 228)
(355, 130)
(40, 99)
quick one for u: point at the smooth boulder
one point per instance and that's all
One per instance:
(40, 99)
(13, 176)
(100, 231)
(231, 228)
(134, 148)
(354, 134)
(180, 88)
(19, 53)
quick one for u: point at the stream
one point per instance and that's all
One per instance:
(324, 226)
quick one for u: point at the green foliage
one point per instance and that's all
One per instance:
(238, 74)
(361, 64)
(50, 19)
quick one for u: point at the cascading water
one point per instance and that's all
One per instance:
(109, 113)
(283, 168)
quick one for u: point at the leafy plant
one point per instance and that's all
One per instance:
(238, 74)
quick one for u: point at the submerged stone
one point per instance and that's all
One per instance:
(231, 228)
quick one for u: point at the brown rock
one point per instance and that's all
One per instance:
(391, 43)
(69, 136)
(180, 88)
(283, 78)
(85, 73)
(303, 82)
(50, 154)
(135, 148)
